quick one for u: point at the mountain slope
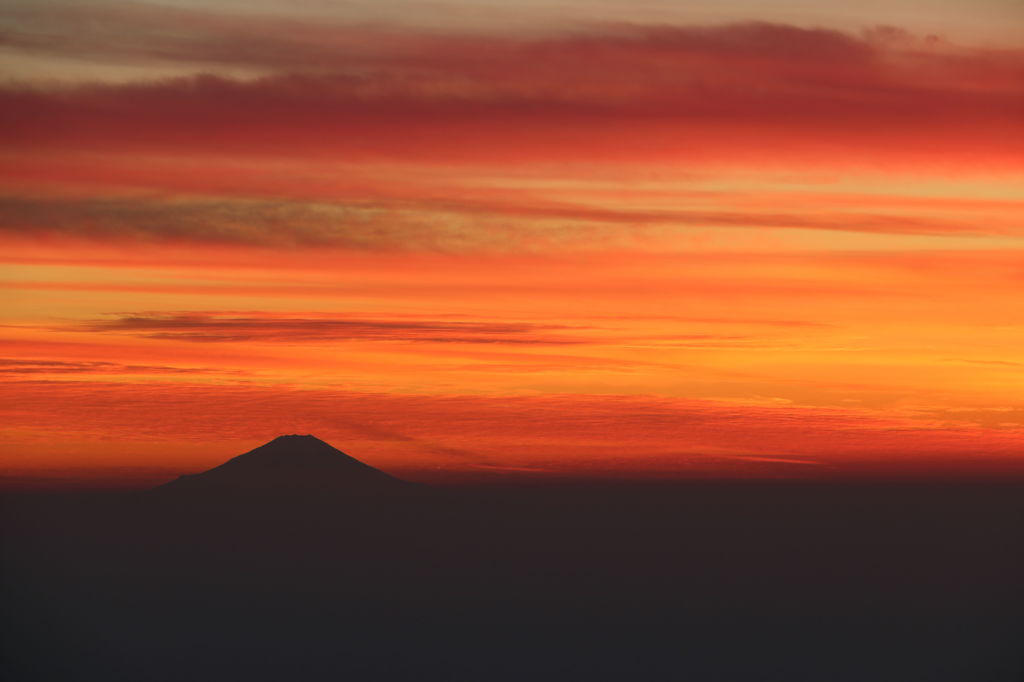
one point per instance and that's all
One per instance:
(290, 464)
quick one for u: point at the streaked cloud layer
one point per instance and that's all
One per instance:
(735, 93)
(734, 240)
(292, 328)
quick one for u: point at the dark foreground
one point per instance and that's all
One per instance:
(736, 582)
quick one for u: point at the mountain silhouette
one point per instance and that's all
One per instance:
(290, 464)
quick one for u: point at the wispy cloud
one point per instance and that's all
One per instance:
(277, 328)
(777, 460)
(411, 224)
(443, 226)
(994, 363)
(16, 366)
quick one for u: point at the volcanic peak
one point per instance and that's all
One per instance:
(290, 463)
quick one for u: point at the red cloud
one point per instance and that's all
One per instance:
(733, 93)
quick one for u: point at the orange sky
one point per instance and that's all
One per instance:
(739, 242)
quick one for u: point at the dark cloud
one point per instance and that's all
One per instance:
(263, 222)
(422, 225)
(358, 225)
(271, 328)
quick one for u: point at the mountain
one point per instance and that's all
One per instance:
(290, 464)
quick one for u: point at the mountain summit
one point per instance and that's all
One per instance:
(290, 464)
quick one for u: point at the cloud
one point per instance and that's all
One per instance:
(125, 32)
(265, 150)
(137, 32)
(271, 328)
(995, 363)
(414, 224)
(368, 224)
(239, 221)
(16, 366)
(736, 92)
(777, 460)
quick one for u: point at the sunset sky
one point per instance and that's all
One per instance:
(482, 240)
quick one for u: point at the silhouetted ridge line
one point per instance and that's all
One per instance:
(289, 464)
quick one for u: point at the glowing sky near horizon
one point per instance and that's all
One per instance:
(484, 239)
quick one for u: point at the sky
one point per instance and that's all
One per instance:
(499, 241)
